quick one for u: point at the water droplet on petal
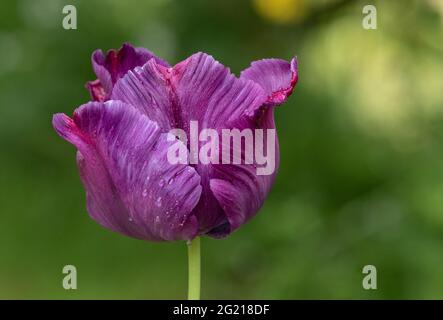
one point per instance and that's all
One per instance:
(161, 183)
(171, 181)
(158, 202)
(145, 192)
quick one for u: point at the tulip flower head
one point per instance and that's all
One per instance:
(170, 153)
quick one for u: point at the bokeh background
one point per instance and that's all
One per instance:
(361, 177)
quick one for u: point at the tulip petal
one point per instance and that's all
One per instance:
(203, 90)
(239, 190)
(148, 91)
(96, 90)
(131, 187)
(199, 89)
(115, 64)
(208, 93)
(277, 77)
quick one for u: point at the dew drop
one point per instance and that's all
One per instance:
(145, 192)
(161, 183)
(171, 181)
(158, 202)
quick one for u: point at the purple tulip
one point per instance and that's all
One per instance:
(121, 137)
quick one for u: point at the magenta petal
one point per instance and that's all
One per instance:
(241, 194)
(201, 89)
(206, 91)
(277, 77)
(131, 187)
(148, 91)
(96, 90)
(238, 189)
(116, 63)
(209, 93)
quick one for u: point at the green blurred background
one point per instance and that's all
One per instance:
(361, 177)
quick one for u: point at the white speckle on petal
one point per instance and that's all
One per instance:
(158, 202)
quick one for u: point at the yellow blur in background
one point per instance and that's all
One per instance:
(281, 11)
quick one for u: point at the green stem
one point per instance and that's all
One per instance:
(194, 269)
